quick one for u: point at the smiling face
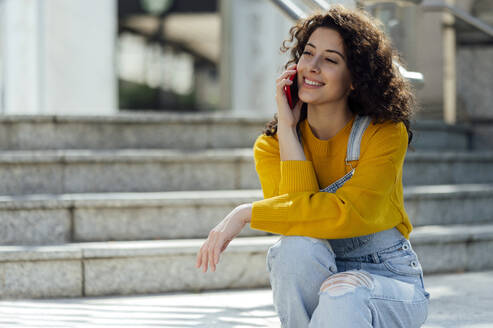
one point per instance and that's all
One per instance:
(324, 63)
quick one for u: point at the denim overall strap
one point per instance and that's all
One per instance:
(353, 150)
(353, 147)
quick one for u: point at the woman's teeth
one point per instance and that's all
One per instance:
(313, 83)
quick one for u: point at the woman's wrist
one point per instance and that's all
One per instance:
(290, 148)
(245, 212)
(285, 128)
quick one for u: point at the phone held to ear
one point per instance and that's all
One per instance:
(291, 91)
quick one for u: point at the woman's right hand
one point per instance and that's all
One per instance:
(221, 235)
(285, 115)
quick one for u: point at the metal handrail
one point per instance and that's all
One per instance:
(290, 9)
(460, 14)
(322, 4)
(294, 12)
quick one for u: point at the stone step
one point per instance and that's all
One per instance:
(177, 131)
(143, 267)
(79, 171)
(58, 219)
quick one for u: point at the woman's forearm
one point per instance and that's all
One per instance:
(245, 212)
(289, 146)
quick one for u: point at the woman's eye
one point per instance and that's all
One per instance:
(308, 53)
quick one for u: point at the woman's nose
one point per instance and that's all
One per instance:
(314, 65)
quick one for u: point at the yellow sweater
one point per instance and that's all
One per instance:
(371, 201)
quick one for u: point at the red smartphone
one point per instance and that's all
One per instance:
(291, 91)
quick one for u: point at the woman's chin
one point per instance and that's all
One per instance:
(309, 101)
(308, 98)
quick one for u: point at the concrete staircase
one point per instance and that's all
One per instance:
(93, 206)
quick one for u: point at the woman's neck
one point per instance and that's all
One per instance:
(326, 121)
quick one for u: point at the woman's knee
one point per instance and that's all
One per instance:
(302, 256)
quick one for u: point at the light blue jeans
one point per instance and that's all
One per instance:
(368, 281)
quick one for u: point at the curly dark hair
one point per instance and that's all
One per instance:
(380, 91)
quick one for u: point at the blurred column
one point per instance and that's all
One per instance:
(252, 32)
(20, 56)
(58, 56)
(449, 68)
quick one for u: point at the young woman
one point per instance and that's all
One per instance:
(331, 175)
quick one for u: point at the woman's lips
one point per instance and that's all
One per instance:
(309, 86)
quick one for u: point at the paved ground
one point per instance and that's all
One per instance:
(457, 300)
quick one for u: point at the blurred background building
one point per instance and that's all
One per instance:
(102, 57)
(168, 55)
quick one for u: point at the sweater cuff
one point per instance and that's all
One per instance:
(268, 215)
(297, 176)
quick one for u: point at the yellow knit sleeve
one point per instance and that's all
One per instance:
(359, 207)
(266, 158)
(280, 177)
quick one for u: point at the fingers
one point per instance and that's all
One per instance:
(286, 75)
(209, 253)
(213, 254)
(290, 71)
(292, 66)
(281, 83)
(205, 258)
(199, 258)
(280, 86)
(218, 240)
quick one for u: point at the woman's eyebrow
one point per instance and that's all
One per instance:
(328, 50)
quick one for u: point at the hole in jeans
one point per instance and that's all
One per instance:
(346, 282)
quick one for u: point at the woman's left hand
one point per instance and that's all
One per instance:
(220, 237)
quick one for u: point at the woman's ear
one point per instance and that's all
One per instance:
(351, 88)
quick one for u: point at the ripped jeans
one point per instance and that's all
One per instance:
(368, 281)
